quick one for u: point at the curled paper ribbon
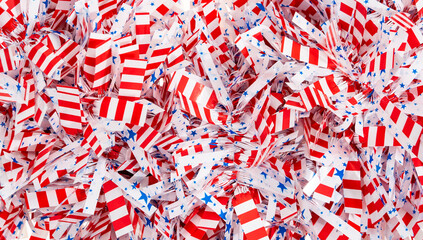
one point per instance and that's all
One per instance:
(220, 120)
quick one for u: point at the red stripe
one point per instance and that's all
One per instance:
(380, 136)
(104, 107)
(314, 56)
(296, 50)
(121, 222)
(42, 199)
(160, 52)
(115, 203)
(61, 195)
(67, 104)
(257, 234)
(136, 114)
(382, 61)
(183, 81)
(108, 186)
(324, 190)
(142, 29)
(120, 110)
(408, 127)
(249, 216)
(131, 85)
(326, 231)
(395, 114)
(137, 71)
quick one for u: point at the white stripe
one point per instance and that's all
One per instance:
(32, 200)
(287, 47)
(351, 193)
(244, 207)
(252, 225)
(111, 110)
(129, 108)
(52, 198)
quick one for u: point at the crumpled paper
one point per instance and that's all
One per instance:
(224, 120)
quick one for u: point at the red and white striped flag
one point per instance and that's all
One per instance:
(120, 110)
(26, 111)
(107, 8)
(191, 87)
(7, 59)
(5, 95)
(44, 58)
(212, 19)
(284, 119)
(305, 54)
(162, 223)
(144, 136)
(415, 37)
(132, 79)
(384, 61)
(54, 198)
(402, 20)
(378, 136)
(167, 141)
(317, 138)
(41, 160)
(158, 53)
(175, 58)
(199, 223)
(312, 97)
(137, 224)
(118, 212)
(142, 31)
(98, 61)
(351, 182)
(405, 130)
(246, 210)
(60, 13)
(127, 48)
(102, 227)
(352, 19)
(330, 85)
(204, 113)
(70, 109)
(68, 52)
(92, 140)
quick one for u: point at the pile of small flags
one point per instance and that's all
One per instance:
(223, 119)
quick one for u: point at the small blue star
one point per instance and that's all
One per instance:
(377, 168)
(132, 135)
(281, 230)
(143, 196)
(148, 224)
(228, 227)
(282, 187)
(287, 179)
(222, 214)
(207, 198)
(339, 173)
(371, 159)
